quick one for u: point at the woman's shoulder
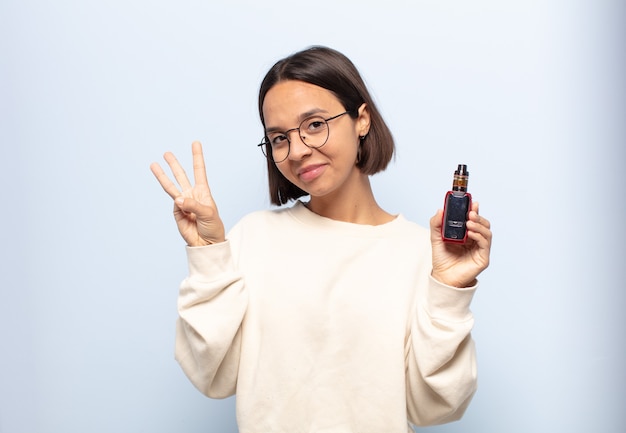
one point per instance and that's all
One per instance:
(264, 216)
(412, 228)
(261, 220)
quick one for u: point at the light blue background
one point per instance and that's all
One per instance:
(529, 94)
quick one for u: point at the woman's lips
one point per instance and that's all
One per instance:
(311, 172)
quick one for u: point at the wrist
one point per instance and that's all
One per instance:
(453, 282)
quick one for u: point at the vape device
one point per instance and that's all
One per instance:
(458, 203)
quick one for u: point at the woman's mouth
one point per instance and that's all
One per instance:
(311, 172)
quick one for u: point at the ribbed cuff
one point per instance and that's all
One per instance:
(449, 303)
(208, 261)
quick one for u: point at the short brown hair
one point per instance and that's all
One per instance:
(333, 71)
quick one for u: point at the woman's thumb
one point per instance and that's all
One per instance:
(187, 205)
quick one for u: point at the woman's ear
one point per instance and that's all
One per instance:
(363, 120)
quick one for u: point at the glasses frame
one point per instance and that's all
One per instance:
(265, 143)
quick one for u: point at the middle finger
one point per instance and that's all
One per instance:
(178, 171)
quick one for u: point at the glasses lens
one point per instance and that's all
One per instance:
(277, 152)
(279, 144)
(314, 131)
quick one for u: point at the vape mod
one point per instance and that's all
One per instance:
(456, 208)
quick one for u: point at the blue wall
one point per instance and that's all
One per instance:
(530, 94)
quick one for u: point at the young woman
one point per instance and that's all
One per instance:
(327, 315)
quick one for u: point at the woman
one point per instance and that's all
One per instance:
(332, 314)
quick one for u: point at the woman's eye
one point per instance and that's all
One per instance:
(316, 125)
(278, 140)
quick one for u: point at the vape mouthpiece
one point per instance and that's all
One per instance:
(461, 177)
(462, 170)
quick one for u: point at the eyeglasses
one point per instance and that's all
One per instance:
(313, 132)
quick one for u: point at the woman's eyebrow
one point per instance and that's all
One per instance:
(311, 113)
(301, 117)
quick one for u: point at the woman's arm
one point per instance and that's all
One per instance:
(440, 359)
(211, 306)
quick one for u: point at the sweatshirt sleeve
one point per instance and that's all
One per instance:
(441, 359)
(211, 306)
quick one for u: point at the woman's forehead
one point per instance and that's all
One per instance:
(292, 100)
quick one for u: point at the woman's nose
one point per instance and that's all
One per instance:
(298, 149)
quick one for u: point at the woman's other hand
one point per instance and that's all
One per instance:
(458, 265)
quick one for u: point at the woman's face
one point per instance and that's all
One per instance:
(331, 167)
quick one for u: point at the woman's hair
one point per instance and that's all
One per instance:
(331, 70)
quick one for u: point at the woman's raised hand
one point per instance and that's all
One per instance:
(458, 265)
(194, 209)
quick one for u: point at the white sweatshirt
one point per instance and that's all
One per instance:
(325, 326)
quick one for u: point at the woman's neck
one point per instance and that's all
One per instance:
(355, 205)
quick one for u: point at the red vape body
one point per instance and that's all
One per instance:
(457, 205)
